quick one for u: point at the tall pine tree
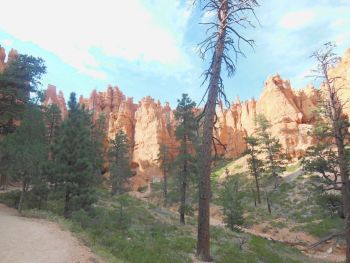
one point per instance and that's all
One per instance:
(271, 147)
(26, 149)
(254, 163)
(165, 163)
(74, 158)
(186, 134)
(119, 163)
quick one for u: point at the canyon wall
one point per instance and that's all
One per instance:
(149, 124)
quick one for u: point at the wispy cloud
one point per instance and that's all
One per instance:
(121, 29)
(298, 19)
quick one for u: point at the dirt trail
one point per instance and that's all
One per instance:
(27, 240)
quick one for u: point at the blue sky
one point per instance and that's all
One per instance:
(149, 47)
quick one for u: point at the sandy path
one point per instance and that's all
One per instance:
(27, 240)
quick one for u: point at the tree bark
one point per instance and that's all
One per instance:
(255, 171)
(184, 181)
(183, 200)
(203, 238)
(336, 115)
(3, 181)
(21, 199)
(165, 187)
(66, 205)
(257, 187)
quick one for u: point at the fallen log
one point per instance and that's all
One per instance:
(325, 239)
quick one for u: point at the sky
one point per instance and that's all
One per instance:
(150, 47)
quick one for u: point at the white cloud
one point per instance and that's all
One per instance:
(298, 19)
(122, 29)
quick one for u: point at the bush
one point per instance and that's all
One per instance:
(231, 201)
(11, 198)
(331, 202)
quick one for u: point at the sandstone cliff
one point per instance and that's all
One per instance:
(288, 110)
(149, 124)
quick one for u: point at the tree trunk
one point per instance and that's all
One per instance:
(336, 115)
(205, 158)
(257, 187)
(3, 181)
(66, 205)
(183, 200)
(184, 182)
(22, 197)
(268, 204)
(165, 187)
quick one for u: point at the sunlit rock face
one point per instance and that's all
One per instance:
(341, 74)
(149, 124)
(52, 97)
(290, 113)
(12, 55)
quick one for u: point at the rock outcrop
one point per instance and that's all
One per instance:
(51, 97)
(11, 56)
(149, 124)
(289, 111)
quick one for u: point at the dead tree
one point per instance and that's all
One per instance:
(333, 110)
(224, 40)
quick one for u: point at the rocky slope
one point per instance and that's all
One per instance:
(148, 124)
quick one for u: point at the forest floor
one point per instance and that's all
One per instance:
(26, 240)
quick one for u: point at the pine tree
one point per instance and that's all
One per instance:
(231, 200)
(271, 147)
(254, 163)
(185, 162)
(27, 151)
(19, 85)
(53, 121)
(99, 143)
(333, 112)
(165, 163)
(224, 38)
(74, 159)
(120, 163)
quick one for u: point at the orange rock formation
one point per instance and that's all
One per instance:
(148, 124)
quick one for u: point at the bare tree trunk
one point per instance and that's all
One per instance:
(22, 197)
(66, 205)
(183, 200)
(203, 239)
(257, 187)
(165, 187)
(3, 181)
(335, 113)
(268, 204)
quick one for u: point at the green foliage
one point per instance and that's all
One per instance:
(165, 160)
(98, 138)
(19, 85)
(185, 162)
(331, 202)
(119, 159)
(53, 121)
(73, 162)
(27, 151)
(274, 163)
(231, 201)
(256, 166)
